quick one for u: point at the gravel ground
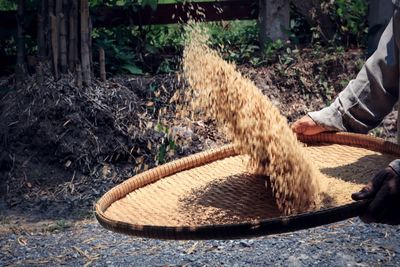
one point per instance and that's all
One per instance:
(84, 243)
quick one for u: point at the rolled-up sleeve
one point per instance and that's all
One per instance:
(366, 100)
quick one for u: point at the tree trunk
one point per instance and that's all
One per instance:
(317, 16)
(274, 17)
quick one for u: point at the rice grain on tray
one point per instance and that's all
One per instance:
(253, 124)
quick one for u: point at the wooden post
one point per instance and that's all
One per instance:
(85, 42)
(274, 18)
(102, 65)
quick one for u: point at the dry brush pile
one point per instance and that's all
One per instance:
(77, 128)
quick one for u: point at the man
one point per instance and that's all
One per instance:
(360, 107)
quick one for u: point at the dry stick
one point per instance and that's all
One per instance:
(85, 56)
(102, 64)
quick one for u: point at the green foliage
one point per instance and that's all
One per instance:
(8, 5)
(126, 3)
(156, 48)
(351, 18)
(237, 40)
(138, 50)
(58, 226)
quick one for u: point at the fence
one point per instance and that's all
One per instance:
(164, 14)
(273, 16)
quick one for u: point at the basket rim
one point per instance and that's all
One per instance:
(240, 230)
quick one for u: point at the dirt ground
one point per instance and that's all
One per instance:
(86, 243)
(62, 148)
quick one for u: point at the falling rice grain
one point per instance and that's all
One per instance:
(252, 123)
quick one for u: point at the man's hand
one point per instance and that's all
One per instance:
(384, 190)
(307, 126)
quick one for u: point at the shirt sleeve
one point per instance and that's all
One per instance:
(366, 100)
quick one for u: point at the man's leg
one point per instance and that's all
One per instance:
(379, 15)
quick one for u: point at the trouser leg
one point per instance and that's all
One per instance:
(396, 36)
(380, 13)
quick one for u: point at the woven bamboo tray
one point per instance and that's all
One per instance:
(210, 195)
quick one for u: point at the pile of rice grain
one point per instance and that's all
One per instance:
(252, 123)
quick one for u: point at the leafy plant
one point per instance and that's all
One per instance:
(8, 5)
(351, 17)
(157, 48)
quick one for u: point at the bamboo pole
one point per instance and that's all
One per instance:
(63, 44)
(73, 40)
(90, 43)
(85, 53)
(54, 44)
(78, 75)
(58, 11)
(51, 6)
(20, 68)
(102, 64)
(41, 39)
(48, 33)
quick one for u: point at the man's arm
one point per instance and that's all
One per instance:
(371, 96)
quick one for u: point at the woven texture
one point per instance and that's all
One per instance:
(214, 188)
